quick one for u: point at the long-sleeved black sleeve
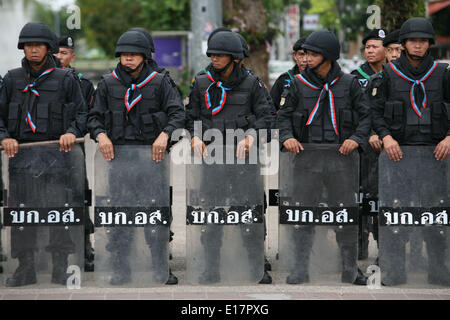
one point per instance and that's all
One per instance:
(261, 107)
(96, 117)
(284, 118)
(73, 94)
(446, 85)
(277, 89)
(172, 105)
(377, 101)
(193, 108)
(360, 103)
(5, 97)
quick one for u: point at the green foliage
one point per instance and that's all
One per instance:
(104, 21)
(352, 20)
(43, 12)
(394, 13)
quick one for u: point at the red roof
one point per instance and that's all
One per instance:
(437, 6)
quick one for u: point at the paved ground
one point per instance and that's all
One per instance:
(276, 291)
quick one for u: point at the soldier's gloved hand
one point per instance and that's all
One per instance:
(106, 147)
(66, 141)
(293, 146)
(392, 148)
(199, 147)
(243, 147)
(10, 146)
(442, 150)
(348, 146)
(376, 143)
(159, 147)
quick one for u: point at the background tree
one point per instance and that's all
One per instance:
(251, 18)
(104, 21)
(394, 13)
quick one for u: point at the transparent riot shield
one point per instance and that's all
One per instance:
(318, 217)
(225, 229)
(132, 218)
(413, 219)
(43, 217)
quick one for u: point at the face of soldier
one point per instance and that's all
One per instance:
(374, 51)
(393, 51)
(219, 61)
(313, 58)
(417, 47)
(66, 56)
(131, 59)
(300, 59)
(35, 51)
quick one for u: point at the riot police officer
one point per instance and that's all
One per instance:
(66, 56)
(374, 54)
(319, 126)
(31, 100)
(281, 86)
(410, 106)
(392, 45)
(245, 100)
(134, 73)
(3, 257)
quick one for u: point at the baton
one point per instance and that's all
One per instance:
(43, 143)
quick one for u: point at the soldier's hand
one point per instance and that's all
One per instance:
(159, 147)
(376, 143)
(243, 147)
(348, 146)
(106, 147)
(10, 146)
(293, 146)
(392, 148)
(66, 141)
(199, 147)
(442, 150)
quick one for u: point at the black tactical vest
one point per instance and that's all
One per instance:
(405, 125)
(237, 112)
(143, 123)
(321, 128)
(52, 115)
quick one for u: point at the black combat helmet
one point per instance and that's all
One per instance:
(225, 42)
(215, 31)
(298, 44)
(323, 42)
(392, 37)
(37, 32)
(147, 35)
(244, 45)
(417, 28)
(134, 42)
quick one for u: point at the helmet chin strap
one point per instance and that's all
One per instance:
(224, 69)
(129, 70)
(415, 57)
(37, 63)
(318, 66)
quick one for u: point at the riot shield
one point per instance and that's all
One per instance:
(413, 219)
(318, 217)
(132, 218)
(43, 217)
(225, 229)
